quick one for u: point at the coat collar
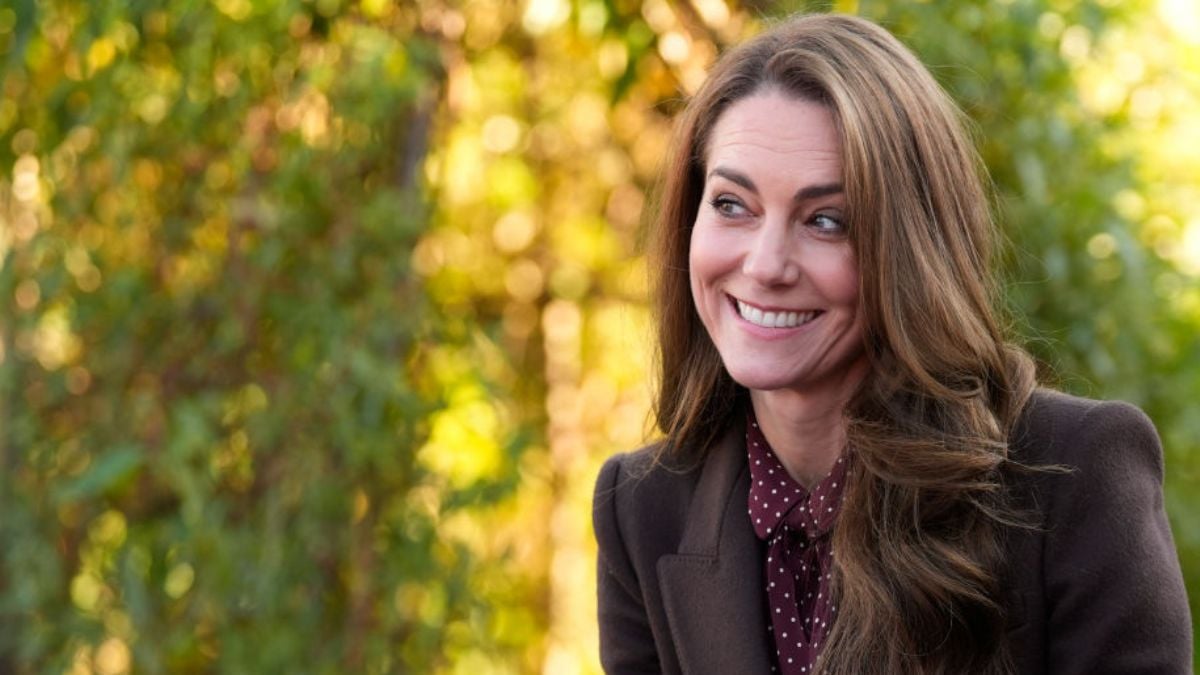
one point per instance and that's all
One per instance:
(713, 587)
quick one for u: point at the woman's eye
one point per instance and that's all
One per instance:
(828, 224)
(728, 206)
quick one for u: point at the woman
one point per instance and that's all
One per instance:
(858, 474)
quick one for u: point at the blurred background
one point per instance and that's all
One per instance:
(317, 317)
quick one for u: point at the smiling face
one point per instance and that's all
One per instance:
(772, 270)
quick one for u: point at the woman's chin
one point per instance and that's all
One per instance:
(761, 379)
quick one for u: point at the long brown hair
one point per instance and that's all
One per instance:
(919, 542)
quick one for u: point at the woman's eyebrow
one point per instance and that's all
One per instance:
(734, 177)
(815, 191)
(803, 194)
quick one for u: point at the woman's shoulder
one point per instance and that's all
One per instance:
(1062, 409)
(1061, 428)
(640, 510)
(644, 481)
(1098, 577)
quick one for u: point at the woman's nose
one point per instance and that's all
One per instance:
(771, 259)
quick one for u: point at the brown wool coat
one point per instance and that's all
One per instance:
(1096, 590)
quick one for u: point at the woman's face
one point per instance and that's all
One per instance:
(773, 274)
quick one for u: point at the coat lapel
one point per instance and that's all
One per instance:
(713, 588)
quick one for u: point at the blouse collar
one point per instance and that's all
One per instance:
(776, 498)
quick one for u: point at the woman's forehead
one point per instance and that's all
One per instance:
(776, 135)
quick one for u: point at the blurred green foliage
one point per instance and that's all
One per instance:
(208, 414)
(317, 316)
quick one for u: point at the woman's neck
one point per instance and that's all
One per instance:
(806, 430)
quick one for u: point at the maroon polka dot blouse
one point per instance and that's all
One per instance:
(795, 523)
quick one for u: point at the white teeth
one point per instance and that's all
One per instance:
(773, 319)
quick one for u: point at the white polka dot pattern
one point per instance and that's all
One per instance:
(796, 525)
